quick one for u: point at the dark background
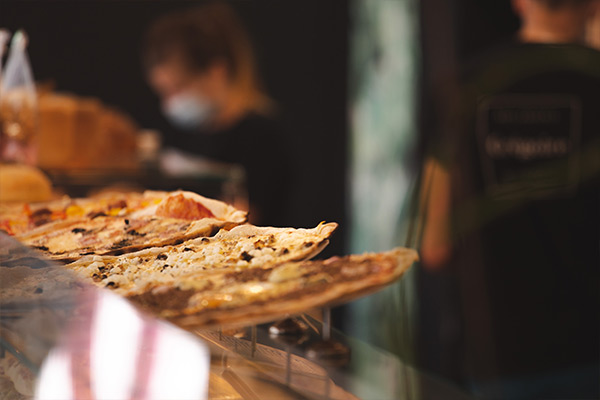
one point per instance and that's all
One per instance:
(453, 34)
(92, 48)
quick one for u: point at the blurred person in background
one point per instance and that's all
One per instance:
(512, 194)
(554, 21)
(201, 64)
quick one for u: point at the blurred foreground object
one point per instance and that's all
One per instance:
(61, 339)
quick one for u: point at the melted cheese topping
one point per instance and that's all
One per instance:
(242, 247)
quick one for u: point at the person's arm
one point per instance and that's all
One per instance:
(436, 244)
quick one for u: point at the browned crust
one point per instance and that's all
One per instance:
(392, 266)
(203, 227)
(226, 217)
(318, 241)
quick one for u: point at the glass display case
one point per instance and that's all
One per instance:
(61, 338)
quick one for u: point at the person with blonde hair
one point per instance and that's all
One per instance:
(201, 63)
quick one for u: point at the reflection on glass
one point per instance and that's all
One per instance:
(86, 343)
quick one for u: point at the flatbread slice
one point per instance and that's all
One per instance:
(241, 248)
(172, 219)
(253, 295)
(24, 218)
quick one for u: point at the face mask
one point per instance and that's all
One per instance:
(188, 111)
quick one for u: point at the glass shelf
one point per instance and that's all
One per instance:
(46, 313)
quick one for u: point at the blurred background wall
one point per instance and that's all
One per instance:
(92, 48)
(350, 77)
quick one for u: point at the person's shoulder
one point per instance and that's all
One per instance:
(518, 58)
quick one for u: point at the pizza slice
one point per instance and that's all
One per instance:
(19, 218)
(241, 248)
(22, 218)
(151, 220)
(255, 294)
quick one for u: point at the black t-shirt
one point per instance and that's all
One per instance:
(523, 148)
(258, 144)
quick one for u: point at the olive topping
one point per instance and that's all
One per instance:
(246, 257)
(161, 257)
(118, 204)
(120, 243)
(96, 214)
(43, 212)
(41, 217)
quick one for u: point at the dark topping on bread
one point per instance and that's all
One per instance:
(38, 290)
(260, 243)
(43, 248)
(161, 257)
(126, 221)
(41, 216)
(249, 274)
(133, 232)
(246, 257)
(187, 249)
(172, 298)
(78, 230)
(96, 214)
(121, 243)
(308, 244)
(112, 285)
(118, 204)
(40, 213)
